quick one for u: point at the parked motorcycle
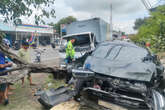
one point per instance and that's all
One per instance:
(38, 53)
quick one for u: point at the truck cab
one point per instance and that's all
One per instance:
(84, 42)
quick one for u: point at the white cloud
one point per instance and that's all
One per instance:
(126, 26)
(124, 11)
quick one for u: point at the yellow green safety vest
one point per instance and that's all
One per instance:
(70, 52)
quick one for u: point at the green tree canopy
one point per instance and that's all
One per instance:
(139, 22)
(66, 20)
(13, 10)
(154, 30)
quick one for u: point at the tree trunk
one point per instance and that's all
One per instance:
(21, 65)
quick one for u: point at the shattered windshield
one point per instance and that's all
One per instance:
(80, 39)
(121, 60)
(131, 53)
(102, 51)
(120, 53)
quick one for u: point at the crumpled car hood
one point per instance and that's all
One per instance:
(132, 70)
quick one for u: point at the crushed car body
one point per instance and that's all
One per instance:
(123, 74)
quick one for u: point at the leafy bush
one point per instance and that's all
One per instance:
(153, 30)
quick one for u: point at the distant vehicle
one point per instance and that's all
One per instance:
(38, 53)
(125, 38)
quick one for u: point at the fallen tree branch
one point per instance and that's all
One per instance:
(12, 78)
(12, 56)
(35, 68)
(22, 64)
(13, 69)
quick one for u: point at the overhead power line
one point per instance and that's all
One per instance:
(149, 4)
(145, 4)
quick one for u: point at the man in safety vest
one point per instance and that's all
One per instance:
(70, 52)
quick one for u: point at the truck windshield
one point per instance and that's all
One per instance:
(80, 39)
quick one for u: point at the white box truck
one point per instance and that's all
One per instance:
(88, 33)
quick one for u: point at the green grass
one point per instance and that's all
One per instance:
(54, 83)
(24, 99)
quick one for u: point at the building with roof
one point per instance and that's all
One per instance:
(22, 32)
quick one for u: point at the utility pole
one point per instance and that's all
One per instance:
(111, 24)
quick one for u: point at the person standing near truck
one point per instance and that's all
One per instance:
(70, 51)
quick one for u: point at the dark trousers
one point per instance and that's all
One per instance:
(68, 60)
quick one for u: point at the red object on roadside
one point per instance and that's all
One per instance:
(124, 37)
(148, 44)
(97, 86)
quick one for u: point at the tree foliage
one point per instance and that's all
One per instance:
(154, 30)
(66, 20)
(12, 10)
(139, 22)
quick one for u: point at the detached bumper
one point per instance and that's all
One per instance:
(54, 97)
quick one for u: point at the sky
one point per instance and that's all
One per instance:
(125, 12)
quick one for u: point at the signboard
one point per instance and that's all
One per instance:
(33, 29)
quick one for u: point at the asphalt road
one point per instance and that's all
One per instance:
(49, 54)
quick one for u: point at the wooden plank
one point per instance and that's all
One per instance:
(70, 105)
(110, 105)
(12, 78)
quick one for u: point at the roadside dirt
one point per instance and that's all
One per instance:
(70, 105)
(23, 97)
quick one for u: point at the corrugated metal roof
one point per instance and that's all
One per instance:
(6, 27)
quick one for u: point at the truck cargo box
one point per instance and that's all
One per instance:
(99, 27)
